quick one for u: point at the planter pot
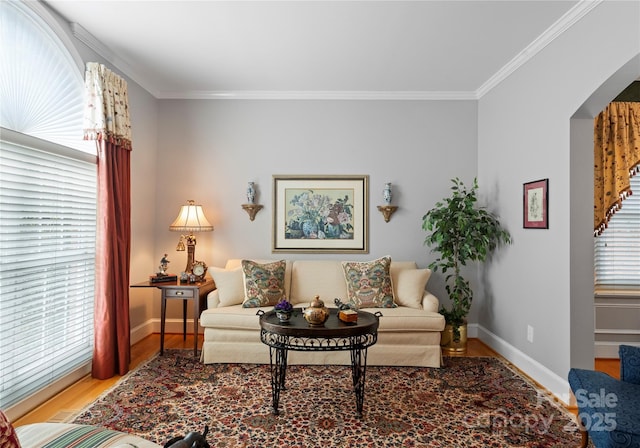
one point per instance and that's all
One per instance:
(449, 344)
(283, 316)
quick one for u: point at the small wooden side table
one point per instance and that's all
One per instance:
(184, 291)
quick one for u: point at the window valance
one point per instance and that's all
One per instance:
(616, 159)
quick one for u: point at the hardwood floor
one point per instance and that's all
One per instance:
(76, 397)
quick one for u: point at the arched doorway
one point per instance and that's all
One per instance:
(582, 324)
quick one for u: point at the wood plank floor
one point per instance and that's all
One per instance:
(78, 396)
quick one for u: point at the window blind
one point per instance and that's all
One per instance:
(47, 264)
(617, 250)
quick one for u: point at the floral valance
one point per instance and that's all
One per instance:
(616, 159)
(106, 111)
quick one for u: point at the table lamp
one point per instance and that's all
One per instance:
(190, 219)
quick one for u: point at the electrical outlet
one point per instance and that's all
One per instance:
(529, 333)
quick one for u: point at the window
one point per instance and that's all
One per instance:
(617, 250)
(47, 209)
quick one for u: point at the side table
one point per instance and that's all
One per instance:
(184, 291)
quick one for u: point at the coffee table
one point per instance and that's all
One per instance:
(334, 335)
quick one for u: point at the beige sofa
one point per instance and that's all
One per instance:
(408, 335)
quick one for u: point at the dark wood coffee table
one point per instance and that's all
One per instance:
(334, 335)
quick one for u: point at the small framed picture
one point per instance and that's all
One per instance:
(536, 204)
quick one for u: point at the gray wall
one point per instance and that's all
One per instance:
(209, 150)
(525, 125)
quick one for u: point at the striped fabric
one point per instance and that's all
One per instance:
(67, 435)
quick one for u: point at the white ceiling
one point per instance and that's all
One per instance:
(305, 49)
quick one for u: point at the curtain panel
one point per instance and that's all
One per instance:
(616, 159)
(107, 121)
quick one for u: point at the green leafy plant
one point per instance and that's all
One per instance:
(460, 231)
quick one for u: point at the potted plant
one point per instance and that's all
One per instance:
(283, 310)
(460, 231)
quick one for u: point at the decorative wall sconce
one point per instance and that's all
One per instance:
(190, 219)
(251, 207)
(388, 209)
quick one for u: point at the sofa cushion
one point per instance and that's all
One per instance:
(235, 317)
(369, 283)
(229, 284)
(409, 286)
(233, 263)
(264, 283)
(310, 278)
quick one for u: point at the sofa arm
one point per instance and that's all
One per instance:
(430, 302)
(629, 364)
(213, 299)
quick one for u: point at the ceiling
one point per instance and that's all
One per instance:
(420, 49)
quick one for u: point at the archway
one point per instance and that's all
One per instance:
(582, 324)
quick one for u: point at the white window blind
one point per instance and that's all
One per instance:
(47, 263)
(47, 209)
(617, 250)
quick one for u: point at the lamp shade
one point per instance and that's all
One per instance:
(191, 219)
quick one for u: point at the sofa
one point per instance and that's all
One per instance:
(608, 408)
(408, 334)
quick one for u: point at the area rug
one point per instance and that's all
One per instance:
(470, 402)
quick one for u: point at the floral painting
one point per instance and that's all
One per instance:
(320, 213)
(326, 214)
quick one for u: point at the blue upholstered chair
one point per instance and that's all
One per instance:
(609, 409)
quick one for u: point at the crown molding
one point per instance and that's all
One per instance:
(93, 43)
(355, 95)
(582, 8)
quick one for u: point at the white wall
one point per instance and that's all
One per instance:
(210, 149)
(524, 135)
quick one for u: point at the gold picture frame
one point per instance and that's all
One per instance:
(321, 213)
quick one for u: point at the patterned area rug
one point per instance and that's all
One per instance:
(471, 402)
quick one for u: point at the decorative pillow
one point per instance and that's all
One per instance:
(8, 436)
(229, 284)
(264, 283)
(369, 283)
(409, 285)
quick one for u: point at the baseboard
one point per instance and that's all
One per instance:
(609, 350)
(170, 326)
(141, 331)
(554, 383)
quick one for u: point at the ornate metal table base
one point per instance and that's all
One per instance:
(334, 336)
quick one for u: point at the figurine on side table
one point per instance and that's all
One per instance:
(164, 265)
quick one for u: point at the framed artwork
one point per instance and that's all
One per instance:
(320, 214)
(536, 204)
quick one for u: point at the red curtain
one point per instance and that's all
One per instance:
(106, 120)
(112, 352)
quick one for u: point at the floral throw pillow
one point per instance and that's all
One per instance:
(8, 436)
(369, 283)
(263, 283)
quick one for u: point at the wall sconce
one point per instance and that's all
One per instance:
(388, 209)
(251, 208)
(190, 219)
